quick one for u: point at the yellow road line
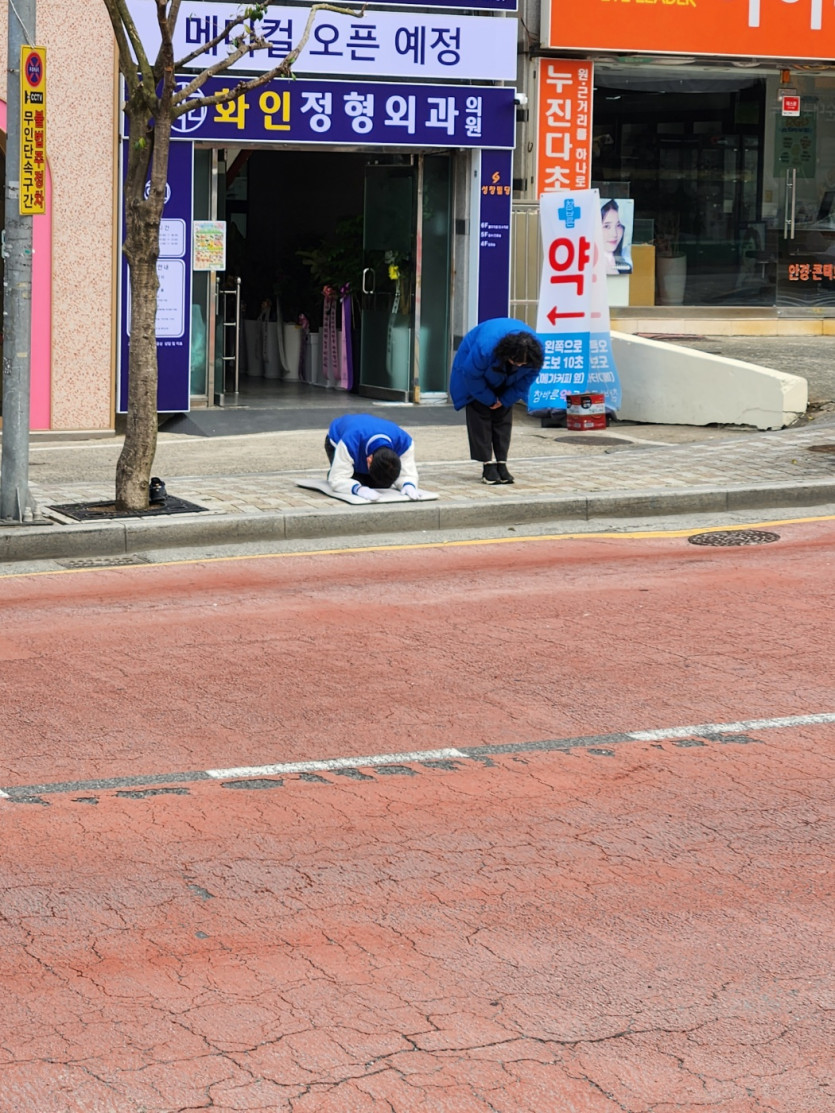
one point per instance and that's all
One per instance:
(609, 535)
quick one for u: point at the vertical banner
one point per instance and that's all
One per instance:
(494, 234)
(32, 130)
(563, 153)
(573, 315)
(173, 325)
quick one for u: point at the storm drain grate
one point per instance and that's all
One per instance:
(104, 562)
(726, 537)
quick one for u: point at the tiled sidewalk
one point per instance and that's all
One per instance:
(754, 460)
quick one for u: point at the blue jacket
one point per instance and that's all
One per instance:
(476, 377)
(355, 437)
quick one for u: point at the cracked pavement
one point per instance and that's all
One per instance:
(600, 924)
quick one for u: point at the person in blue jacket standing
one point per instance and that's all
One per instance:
(493, 369)
(367, 454)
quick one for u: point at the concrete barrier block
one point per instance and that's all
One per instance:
(18, 542)
(303, 524)
(509, 511)
(667, 384)
(627, 504)
(766, 496)
(201, 529)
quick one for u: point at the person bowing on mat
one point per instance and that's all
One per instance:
(368, 454)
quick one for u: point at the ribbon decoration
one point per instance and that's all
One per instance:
(346, 363)
(330, 347)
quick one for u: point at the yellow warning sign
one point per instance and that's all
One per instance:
(32, 130)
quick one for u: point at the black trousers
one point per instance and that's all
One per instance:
(489, 431)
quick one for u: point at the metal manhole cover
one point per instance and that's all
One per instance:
(726, 537)
(822, 447)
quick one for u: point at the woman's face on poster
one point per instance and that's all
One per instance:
(612, 230)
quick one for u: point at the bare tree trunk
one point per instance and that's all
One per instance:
(133, 471)
(141, 247)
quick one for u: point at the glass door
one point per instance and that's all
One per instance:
(388, 281)
(804, 150)
(434, 240)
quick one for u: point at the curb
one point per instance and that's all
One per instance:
(58, 541)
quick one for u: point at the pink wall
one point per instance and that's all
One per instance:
(41, 346)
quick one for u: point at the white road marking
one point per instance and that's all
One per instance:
(468, 753)
(334, 763)
(730, 728)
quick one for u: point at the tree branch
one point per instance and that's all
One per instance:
(216, 41)
(183, 101)
(133, 60)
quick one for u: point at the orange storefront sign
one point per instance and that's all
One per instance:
(564, 125)
(751, 28)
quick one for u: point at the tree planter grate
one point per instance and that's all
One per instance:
(723, 538)
(105, 511)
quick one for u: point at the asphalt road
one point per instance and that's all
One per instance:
(496, 826)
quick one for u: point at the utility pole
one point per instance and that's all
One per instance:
(15, 502)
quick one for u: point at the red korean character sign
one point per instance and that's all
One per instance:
(573, 315)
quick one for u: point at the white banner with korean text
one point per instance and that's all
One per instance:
(379, 44)
(573, 315)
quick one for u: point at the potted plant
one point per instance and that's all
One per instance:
(670, 259)
(335, 266)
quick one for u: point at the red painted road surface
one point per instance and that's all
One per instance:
(602, 926)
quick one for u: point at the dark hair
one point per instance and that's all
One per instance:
(520, 347)
(384, 468)
(610, 207)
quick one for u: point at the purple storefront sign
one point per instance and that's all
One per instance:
(494, 234)
(359, 113)
(174, 298)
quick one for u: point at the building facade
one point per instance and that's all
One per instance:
(384, 170)
(710, 131)
(74, 241)
(390, 166)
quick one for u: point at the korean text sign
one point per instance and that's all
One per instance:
(573, 313)
(173, 320)
(494, 234)
(379, 44)
(751, 28)
(371, 113)
(32, 130)
(564, 125)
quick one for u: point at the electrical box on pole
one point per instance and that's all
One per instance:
(25, 169)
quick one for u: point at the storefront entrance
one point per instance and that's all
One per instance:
(729, 191)
(372, 228)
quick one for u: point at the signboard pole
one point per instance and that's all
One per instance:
(15, 501)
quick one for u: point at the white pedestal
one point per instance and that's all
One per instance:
(252, 341)
(292, 346)
(272, 365)
(617, 286)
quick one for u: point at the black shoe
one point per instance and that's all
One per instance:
(504, 474)
(490, 474)
(156, 490)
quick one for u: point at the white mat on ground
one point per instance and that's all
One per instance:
(388, 494)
